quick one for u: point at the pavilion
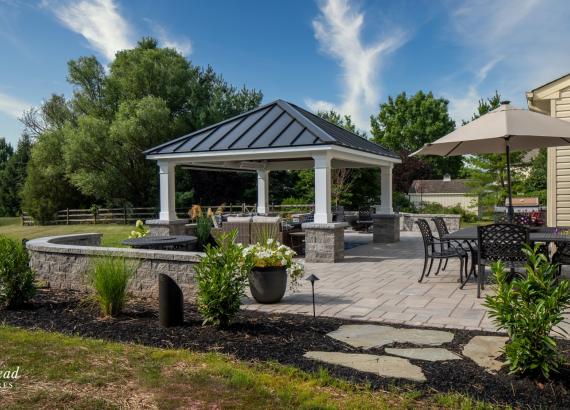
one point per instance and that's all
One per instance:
(275, 136)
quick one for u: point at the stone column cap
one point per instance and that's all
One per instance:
(386, 216)
(331, 225)
(164, 222)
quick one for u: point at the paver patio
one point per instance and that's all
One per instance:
(379, 283)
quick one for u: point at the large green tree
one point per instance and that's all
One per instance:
(12, 177)
(6, 152)
(404, 124)
(94, 142)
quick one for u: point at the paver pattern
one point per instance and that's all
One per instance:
(379, 283)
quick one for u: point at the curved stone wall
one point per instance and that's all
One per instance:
(64, 262)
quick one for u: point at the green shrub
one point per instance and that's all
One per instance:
(222, 276)
(110, 277)
(435, 208)
(529, 309)
(401, 203)
(203, 228)
(16, 277)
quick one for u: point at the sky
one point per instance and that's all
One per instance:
(348, 55)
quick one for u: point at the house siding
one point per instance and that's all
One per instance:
(558, 171)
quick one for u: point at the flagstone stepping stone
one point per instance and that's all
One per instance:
(430, 354)
(368, 336)
(484, 351)
(386, 366)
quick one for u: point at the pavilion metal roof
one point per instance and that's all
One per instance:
(278, 124)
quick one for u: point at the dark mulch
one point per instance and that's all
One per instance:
(283, 338)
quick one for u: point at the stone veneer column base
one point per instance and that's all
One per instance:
(324, 242)
(386, 228)
(159, 227)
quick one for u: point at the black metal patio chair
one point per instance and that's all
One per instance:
(469, 246)
(435, 249)
(518, 219)
(364, 220)
(500, 242)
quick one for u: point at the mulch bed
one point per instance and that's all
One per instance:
(283, 338)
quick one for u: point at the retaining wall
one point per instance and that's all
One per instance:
(64, 262)
(408, 221)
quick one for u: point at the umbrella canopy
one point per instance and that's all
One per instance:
(502, 130)
(507, 125)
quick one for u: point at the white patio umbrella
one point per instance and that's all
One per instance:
(503, 130)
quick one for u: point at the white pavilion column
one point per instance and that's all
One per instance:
(167, 222)
(386, 190)
(322, 189)
(167, 191)
(262, 192)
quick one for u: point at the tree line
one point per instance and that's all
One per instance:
(88, 148)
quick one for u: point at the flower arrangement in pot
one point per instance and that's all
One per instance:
(273, 263)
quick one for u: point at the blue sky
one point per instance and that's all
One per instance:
(342, 54)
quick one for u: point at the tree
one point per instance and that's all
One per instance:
(6, 153)
(406, 124)
(12, 177)
(535, 183)
(148, 95)
(488, 172)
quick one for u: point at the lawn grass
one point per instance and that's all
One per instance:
(113, 234)
(86, 373)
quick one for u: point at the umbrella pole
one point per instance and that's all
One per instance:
(510, 211)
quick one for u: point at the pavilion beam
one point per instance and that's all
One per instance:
(262, 191)
(323, 188)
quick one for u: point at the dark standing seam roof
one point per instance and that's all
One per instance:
(275, 125)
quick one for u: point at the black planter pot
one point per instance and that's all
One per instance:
(268, 285)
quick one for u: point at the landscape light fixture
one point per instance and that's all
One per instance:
(312, 278)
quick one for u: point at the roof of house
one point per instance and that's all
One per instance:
(275, 125)
(532, 201)
(439, 186)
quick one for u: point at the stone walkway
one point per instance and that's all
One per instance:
(379, 283)
(483, 350)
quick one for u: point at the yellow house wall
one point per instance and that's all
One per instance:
(558, 169)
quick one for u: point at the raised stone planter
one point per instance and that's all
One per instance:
(324, 241)
(408, 221)
(386, 228)
(64, 262)
(158, 227)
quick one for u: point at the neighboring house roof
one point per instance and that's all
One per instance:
(440, 186)
(275, 125)
(532, 201)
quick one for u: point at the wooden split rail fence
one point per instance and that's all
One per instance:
(131, 215)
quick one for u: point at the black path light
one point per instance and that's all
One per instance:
(312, 278)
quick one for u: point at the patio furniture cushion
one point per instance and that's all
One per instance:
(241, 219)
(273, 219)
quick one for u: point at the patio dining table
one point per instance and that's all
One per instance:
(536, 234)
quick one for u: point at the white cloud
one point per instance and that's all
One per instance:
(12, 106)
(98, 21)
(182, 44)
(511, 46)
(338, 30)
